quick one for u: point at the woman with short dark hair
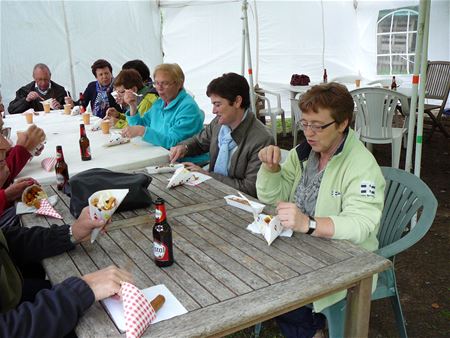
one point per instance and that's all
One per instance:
(98, 93)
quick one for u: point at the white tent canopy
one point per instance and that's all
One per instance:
(204, 37)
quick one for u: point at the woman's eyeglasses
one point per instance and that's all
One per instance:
(315, 128)
(163, 84)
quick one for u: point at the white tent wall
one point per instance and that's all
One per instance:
(36, 31)
(205, 38)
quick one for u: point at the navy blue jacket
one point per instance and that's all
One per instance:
(54, 312)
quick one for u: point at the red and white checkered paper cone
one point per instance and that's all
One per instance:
(48, 163)
(137, 309)
(46, 209)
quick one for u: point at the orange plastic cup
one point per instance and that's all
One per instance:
(357, 83)
(46, 107)
(29, 118)
(86, 118)
(105, 126)
(67, 109)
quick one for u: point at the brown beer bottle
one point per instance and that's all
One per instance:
(393, 84)
(325, 76)
(84, 144)
(162, 236)
(61, 169)
(81, 103)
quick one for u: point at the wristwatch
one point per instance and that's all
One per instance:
(312, 225)
(72, 239)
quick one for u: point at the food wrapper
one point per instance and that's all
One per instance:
(22, 208)
(181, 176)
(164, 168)
(244, 204)
(97, 125)
(270, 227)
(33, 195)
(48, 101)
(48, 163)
(46, 209)
(75, 111)
(184, 176)
(116, 139)
(103, 204)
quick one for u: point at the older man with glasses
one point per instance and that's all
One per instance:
(40, 89)
(330, 186)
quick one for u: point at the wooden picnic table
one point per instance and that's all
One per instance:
(225, 276)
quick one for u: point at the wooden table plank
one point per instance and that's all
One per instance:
(233, 266)
(237, 254)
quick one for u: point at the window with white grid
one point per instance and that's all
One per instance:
(396, 40)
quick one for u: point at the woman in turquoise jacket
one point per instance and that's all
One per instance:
(330, 186)
(174, 117)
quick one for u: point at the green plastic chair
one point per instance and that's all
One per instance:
(405, 196)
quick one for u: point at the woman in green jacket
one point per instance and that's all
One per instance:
(330, 186)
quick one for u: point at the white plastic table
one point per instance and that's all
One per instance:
(64, 130)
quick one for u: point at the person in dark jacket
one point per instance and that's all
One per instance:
(98, 93)
(40, 89)
(27, 307)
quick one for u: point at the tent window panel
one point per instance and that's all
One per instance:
(383, 42)
(398, 43)
(400, 64)
(413, 22)
(411, 64)
(396, 40)
(385, 25)
(384, 65)
(412, 42)
(400, 23)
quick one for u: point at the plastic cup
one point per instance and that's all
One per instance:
(105, 126)
(67, 109)
(357, 83)
(46, 107)
(29, 117)
(86, 118)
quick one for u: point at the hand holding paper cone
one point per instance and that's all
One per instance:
(103, 204)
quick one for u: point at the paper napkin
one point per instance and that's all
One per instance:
(171, 308)
(116, 139)
(269, 227)
(46, 209)
(164, 168)
(184, 176)
(22, 208)
(137, 309)
(48, 163)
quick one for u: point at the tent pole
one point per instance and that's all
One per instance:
(415, 85)
(423, 80)
(247, 49)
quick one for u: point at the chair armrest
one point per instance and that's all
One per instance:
(411, 238)
(262, 97)
(277, 95)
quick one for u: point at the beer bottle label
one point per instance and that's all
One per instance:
(160, 251)
(59, 179)
(58, 156)
(158, 214)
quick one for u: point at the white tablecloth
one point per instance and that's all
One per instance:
(64, 130)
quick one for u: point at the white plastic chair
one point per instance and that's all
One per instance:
(295, 118)
(272, 111)
(375, 112)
